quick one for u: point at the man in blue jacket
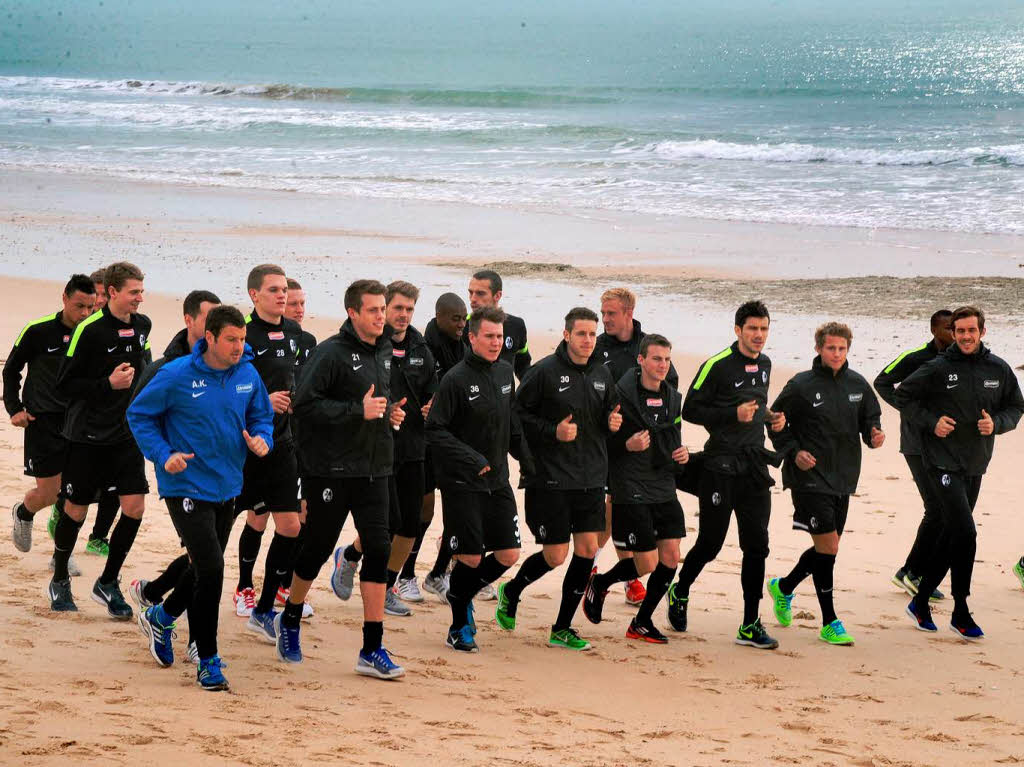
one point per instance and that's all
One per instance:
(195, 421)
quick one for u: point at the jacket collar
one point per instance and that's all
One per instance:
(348, 332)
(821, 369)
(562, 352)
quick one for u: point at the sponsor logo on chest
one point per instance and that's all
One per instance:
(857, 397)
(991, 384)
(126, 333)
(244, 388)
(275, 335)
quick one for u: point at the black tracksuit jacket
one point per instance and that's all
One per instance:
(892, 375)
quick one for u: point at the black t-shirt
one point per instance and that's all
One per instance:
(275, 349)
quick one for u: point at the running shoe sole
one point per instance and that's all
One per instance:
(956, 631)
(631, 633)
(757, 645)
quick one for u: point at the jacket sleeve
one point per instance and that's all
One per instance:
(785, 441)
(146, 415)
(892, 374)
(259, 414)
(1011, 407)
(315, 390)
(75, 381)
(913, 396)
(699, 406)
(16, 362)
(439, 434)
(522, 359)
(430, 387)
(870, 415)
(526, 409)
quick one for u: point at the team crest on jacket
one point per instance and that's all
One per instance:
(328, 495)
(716, 499)
(508, 342)
(946, 480)
(292, 345)
(453, 543)
(764, 376)
(188, 505)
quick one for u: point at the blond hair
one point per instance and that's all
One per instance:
(837, 329)
(623, 295)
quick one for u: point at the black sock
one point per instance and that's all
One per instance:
(286, 580)
(960, 611)
(533, 569)
(280, 558)
(488, 572)
(657, 587)
(352, 554)
(624, 570)
(248, 551)
(121, 540)
(373, 633)
(23, 513)
(64, 536)
(106, 512)
(444, 558)
(751, 609)
(573, 586)
(824, 565)
(461, 589)
(392, 578)
(803, 567)
(292, 616)
(409, 568)
(159, 586)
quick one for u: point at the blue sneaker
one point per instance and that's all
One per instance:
(263, 624)
(288, 648)
(461, 639)
(343, 577)
(923, 622)
(967, 630)
(156, 627)
(209, 676)
(470, 619)
(379, 664)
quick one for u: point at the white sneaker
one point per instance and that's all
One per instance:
(307, 610)
(245, 602)
(487, 593)
(73, 569)
(409, 590)
(438, 586)
(192, 656)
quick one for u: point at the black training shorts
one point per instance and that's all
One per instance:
(818, 513)
(46, 449)
(639, 526)
(91, 469)
(270, 483)
(406, 499)
(477, 522)
(554, 515)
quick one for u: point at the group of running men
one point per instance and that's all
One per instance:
(249, 414)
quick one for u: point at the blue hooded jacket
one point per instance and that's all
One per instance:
(190, 408)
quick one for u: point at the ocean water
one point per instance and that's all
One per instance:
(872, 114)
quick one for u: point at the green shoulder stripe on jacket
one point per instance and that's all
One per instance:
(248, 318)
(710, 364)
(898, 360)
(679, 419)
(524, 350)
(39, 321)
(78, 331)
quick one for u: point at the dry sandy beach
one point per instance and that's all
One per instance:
(80, 689)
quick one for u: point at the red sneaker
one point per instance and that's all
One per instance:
(635, 592)
(645, 633)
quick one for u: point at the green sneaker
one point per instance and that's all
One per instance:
(569, 639)
(97, 546)
(1018, 570)
(51, 523)
(835, 633)
(782, 603)
(502, 616)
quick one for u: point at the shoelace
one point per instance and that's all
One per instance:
(249, 598)
(380, 657)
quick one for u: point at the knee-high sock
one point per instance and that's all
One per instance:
(824, 565)
(280, 560)
(248, 551)
(657, 587)
(121, 540)
(573, 586)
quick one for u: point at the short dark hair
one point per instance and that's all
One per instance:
(449, 302)
(194, 302)
(293, 284)
(354, 293)
(492, 277)
(81, 284)
(97, 276)
(967, 311)
(117, 274)
(221, 317)
(257, 273)
(751, 309)
(579, 313)
(941, 319)
(401, 288)
(653, 339)
(486, 314)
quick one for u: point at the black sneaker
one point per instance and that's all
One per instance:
(109, 595)
(593, 600)
(677, 609)
(61, 600)
(645, 632)
(754, 635)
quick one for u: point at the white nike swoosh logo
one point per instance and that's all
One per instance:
(111, 349)
(197, 394)
(818, 404)
(738, 384)
(261, 351)
(473, 398)
(55, 348)
(952, 387)
(356, 367)
(563, 388)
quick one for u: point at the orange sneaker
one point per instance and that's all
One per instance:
(635, 592)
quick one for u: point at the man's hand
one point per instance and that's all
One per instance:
(483, 471)
(256, 444)
(566, 429)
(397, 415)
(877, 437)
(777, 421)
(425, 410)
(945, 427)
(22, 419)
(804, 460)
(745, 412)
(681, 454)
(373, 407)
(122, 376)
(986, 425)
(178, 462)
(639, 442)
(615, 419)
(281, 401)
